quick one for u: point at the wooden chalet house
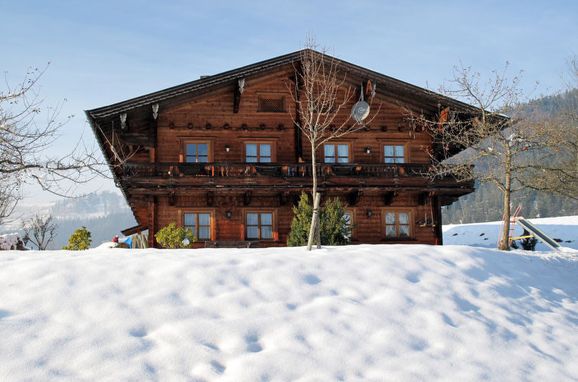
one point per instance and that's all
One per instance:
(222, 156)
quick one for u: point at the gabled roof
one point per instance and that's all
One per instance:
(386, 85)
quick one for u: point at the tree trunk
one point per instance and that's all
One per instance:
(316, 200)
(505, 242)
(314, 227)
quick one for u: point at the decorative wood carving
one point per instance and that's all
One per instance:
(210, 198)
(388, 197)
(247, 196)
(353, 197)
(172, 198)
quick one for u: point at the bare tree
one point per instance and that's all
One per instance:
(502, 144)
(40, 231)
(559, 174)
(323, 99)
(24, 141)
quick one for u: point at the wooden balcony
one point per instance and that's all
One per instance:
(150, 178)
(256, 170)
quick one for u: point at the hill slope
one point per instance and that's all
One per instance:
(384, 312)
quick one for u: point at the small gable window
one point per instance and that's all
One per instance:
(271, 104)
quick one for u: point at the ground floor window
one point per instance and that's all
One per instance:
(199, 223)
(259, 225)
(397, 224)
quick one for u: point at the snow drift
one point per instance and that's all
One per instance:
(377, 313)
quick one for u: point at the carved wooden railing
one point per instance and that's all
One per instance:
(168, 170)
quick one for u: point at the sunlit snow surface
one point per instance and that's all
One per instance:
(378, 313)
(563, 229)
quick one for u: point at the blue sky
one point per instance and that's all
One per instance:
(107, 51)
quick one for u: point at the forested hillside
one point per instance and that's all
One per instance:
(486, 203)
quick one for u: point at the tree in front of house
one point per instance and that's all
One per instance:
(333, 230)
(321, 94)
(502, 145)
(79, 240)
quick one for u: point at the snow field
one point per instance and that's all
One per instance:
(377, 313)
(563, 229)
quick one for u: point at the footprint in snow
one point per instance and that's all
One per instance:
(138, 332)
(217, 367)
(311, 279)
(252, 342)
(412, 278)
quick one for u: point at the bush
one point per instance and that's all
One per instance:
(333, 230)
(172, 237)
(301, 222)
(79, 240)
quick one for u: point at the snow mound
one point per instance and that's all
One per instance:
(383, 312)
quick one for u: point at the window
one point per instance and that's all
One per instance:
(393, 154)
(271, 104)
(336, 153)
(197, 152)
(397, 224)
(199, 223)
(258, 153)
(259, 225)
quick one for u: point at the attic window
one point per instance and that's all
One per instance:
(271, 104)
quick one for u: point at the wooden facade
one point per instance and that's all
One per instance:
(223, 156)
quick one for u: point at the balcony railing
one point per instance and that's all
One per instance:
(169, 170)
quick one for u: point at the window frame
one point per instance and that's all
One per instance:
(336, 155)
(397, 211)
(186, 142)
(274, 233)
(271, 143)
(405, 152)
(212, 229)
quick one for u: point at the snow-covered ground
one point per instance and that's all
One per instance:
(563, 229)
(376, 313)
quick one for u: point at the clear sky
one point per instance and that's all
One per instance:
(105, 51)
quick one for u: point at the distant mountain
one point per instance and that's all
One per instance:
(104, 214)
(485, 204)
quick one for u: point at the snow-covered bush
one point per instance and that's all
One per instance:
(172, 237)
(79, 240)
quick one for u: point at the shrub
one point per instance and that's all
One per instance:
(172, 237)
(301, 222)
(333, 230)
(79, 240)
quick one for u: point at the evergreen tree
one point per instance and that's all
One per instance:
(334, 229)
(79, 240)
(301, 221)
